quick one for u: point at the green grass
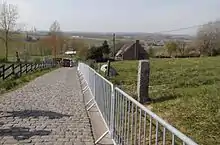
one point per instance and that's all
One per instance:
(9, 85)
(185, 93)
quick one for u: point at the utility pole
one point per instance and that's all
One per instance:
(114, 46)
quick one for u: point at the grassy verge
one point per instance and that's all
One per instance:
(185, 93)
(12, 84)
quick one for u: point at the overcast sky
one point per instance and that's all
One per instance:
(117, 15)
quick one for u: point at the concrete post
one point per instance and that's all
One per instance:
(143, 81)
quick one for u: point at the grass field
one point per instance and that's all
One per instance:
(185, 92)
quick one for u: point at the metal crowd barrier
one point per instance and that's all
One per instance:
(128, 122)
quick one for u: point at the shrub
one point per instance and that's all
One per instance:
(151, 52)
(24, 79)
(91, 63)
(9, 84)
(37, 60)
(2, 60)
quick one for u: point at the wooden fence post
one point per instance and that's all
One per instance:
(13, 69)
(3, 72)
(35, 66)
(41, 66)
(26, 66)
(31, 66)
(143, 81)
(20, 69)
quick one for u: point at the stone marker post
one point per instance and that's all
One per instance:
(143, 81)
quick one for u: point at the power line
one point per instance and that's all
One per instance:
(185, 28)
(179, 29)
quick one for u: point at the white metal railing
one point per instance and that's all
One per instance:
(128, 121)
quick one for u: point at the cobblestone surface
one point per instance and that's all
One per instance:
(48, 110)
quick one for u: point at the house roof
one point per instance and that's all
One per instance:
(126, 45)
(124, 48)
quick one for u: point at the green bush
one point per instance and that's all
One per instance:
(91, 63)
(10, 84)
(47, 51)
(2, 60)
(151, 52)
(24, 79)
(37, 60)
(78, 58)
(25, 56)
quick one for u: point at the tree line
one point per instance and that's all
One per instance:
(206, 43)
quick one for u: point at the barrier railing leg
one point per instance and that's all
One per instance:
(85, 89)
(101, 137)
(89, 101)
(91, 106)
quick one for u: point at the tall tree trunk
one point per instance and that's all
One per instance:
(61, 48)
(6, 46)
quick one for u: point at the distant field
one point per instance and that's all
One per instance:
(99, 41)
(186, 93)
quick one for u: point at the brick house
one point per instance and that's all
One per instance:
(132, 51)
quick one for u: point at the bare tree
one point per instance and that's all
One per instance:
(55, 28)
(181, 47)
(54, 33)
(8, 19)
(208, 38)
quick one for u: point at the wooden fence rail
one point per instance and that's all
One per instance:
(17, 70)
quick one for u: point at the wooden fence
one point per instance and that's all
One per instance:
(8, 71)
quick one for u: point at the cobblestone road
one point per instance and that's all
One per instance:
(48, 110)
